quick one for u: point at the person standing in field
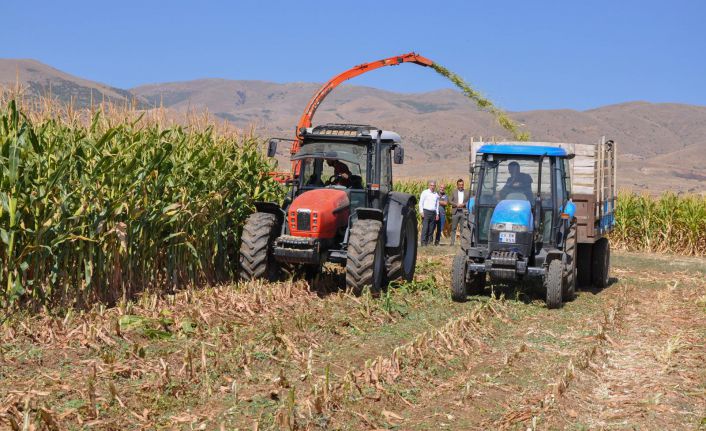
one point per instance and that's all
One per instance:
(429, 210)
(459, 201)
(443, 202)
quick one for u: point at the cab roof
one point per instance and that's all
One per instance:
(356, 131)
(522, 150)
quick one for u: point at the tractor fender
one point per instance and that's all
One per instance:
(368, 214)
(400, 206)
(553, 255)
(271, 208)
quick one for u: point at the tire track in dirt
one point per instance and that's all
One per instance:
(373, 380)
(326, 343)
(385, 394)
(529, 408)
(507, 373)
(651, 375)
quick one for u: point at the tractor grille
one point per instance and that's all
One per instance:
(303, 220)
(504, 258)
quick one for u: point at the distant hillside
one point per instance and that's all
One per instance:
(662, 146)
(39, 80)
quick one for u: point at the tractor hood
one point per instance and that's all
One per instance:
(513, 212)
(319, 213)
(511, 227)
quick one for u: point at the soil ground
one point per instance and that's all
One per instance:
(287, 356)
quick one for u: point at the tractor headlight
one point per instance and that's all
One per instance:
(509, 227)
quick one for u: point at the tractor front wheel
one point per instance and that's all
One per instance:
(554, 283)
(459, 289)
(256, 259)
(365, 263)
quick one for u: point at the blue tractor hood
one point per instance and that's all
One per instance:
(513, 211)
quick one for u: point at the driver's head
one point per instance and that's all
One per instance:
(513, 168)
(330, 162)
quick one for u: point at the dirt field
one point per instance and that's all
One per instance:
(281, 356)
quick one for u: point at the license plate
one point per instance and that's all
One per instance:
(507, 237)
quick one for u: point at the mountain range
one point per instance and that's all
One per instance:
(662, 145)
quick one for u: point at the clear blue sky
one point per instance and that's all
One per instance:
(522, 54)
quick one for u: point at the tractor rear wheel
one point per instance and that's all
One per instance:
(571, 265)
(365, 264)
(459, 289)
(256, 259)
(402, 260)
(600, 264)
(554, 283)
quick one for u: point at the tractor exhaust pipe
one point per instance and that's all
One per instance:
(538, 204)
(378, 167)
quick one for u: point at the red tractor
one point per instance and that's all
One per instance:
(340, 207)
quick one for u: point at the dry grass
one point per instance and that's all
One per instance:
(289, 357)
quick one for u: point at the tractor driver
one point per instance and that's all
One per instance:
(341, 172)
(518, 182)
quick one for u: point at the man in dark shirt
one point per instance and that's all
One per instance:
(518, 182)
(342, 175)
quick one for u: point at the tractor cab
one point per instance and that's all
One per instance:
(345, 157)
(519, 194)
(520, 216)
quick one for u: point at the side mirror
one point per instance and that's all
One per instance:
(272, 148)
(399, 155)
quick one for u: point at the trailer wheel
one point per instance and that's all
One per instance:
(553, 283)
(459, 291)
(571, 269)
(583, 262)
(401, 262)
(600, 264)
(365, 264)
(256, 259)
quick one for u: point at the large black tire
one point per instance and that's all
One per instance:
(554, 283)
(401, 262)
(600, 264)
(256, 259)
(571, 251)
(459, 289)
(365, 264)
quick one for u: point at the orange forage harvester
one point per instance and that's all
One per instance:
(305, 120)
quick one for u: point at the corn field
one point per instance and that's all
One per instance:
(95, 212)
(666, 224)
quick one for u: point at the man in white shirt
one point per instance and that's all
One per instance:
(459, 200)
(429, 210)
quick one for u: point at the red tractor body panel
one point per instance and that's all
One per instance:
(319, 213)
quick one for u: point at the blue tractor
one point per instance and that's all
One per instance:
(522, 222)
